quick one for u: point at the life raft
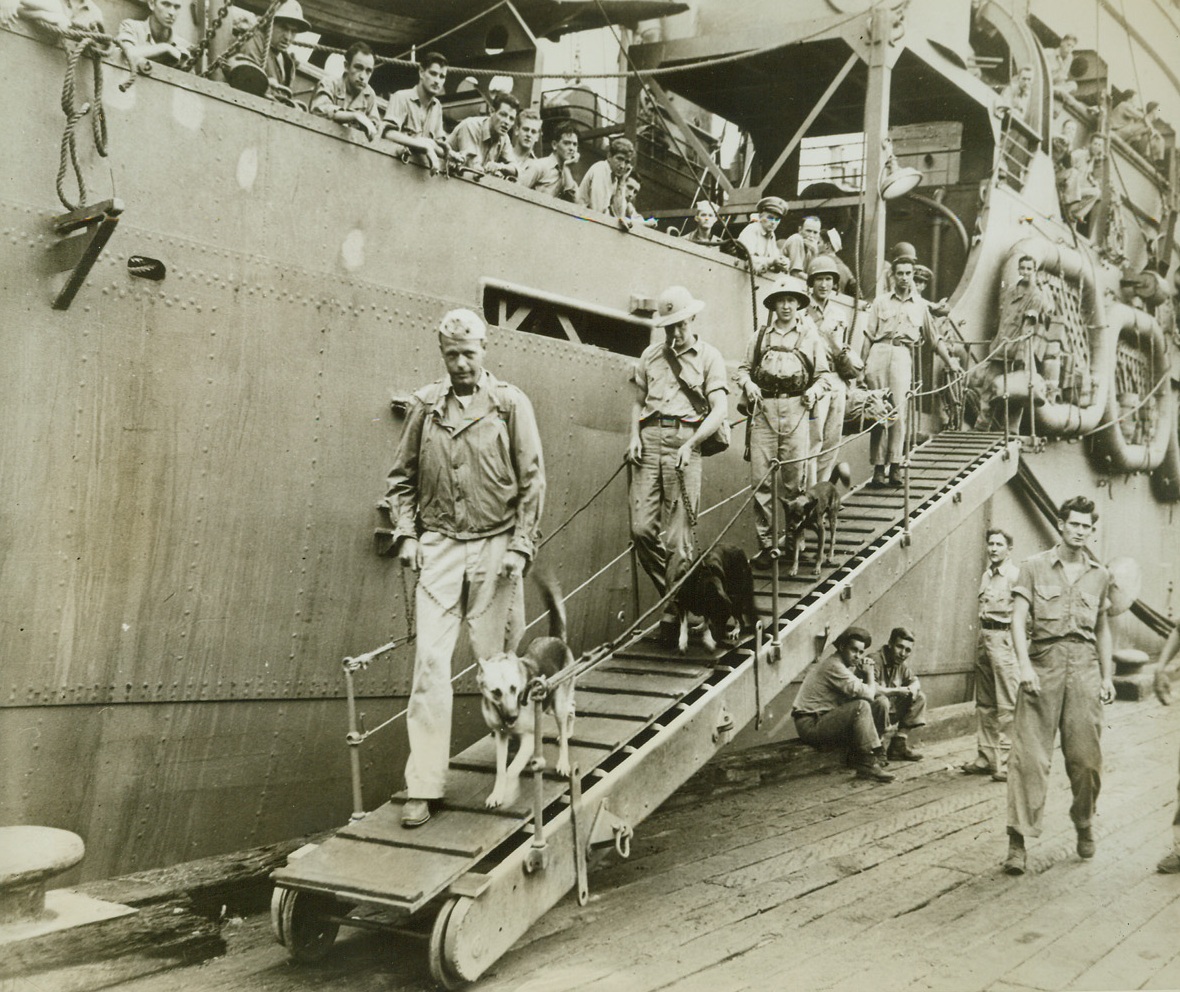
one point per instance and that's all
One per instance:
(1062, 419)
(1116, 445)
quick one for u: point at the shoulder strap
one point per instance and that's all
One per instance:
(699, 402)
(758, 346)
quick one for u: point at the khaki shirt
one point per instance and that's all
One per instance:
(547, 175)
(139, 34)
(332, 94)
(763, 247)
(891, 674)
(995, 592)
(1058, 609)
(476, 137)
(829, 683)
(799, 252)
(701, 366)
(801, 337)
(898, 318)
(405, 111)
(832, 323)
(469, 472)
(603, 191)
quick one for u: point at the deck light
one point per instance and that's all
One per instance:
(896, 179)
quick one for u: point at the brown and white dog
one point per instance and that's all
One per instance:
(503, 685)
(721, 588)
(818, 509)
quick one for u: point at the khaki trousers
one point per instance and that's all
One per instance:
(850, 725)
(780, 429)
(891, 367)
(996, 687)
(458, 582)
(1068, 701)
(827, 431)
(659, 519)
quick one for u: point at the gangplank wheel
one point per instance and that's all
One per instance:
(302, 923)
(440, 969)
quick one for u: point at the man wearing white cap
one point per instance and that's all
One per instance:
(706, 220)
(783, 375)
(465, 496)
(676, 381)
(760, 236)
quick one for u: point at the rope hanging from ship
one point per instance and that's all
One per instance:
(92, 48)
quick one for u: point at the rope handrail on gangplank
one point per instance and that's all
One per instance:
(647, 721)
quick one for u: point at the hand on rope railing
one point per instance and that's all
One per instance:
(962, 376)
(392, 645)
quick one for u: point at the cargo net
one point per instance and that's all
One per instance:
(1074, 331)
(1132, 370)
(1134, 381)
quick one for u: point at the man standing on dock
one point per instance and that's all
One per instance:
(1062, 643)
(996, 681)
(465, 496)
(834, 707)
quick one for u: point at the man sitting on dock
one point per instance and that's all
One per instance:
(551, 175)
(154, 38)
(349, 99)
(1062, 642)
(899, 685)
(835, 708)
(760, 236)
(465, 496)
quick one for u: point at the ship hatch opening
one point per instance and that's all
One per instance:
(551, 315)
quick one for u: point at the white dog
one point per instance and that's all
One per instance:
(503, 684)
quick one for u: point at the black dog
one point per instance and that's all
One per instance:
(721, 588)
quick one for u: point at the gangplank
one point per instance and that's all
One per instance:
(473, 880)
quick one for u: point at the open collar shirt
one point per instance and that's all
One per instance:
(407, 113)
(476, 136)
(900, 318)
(996, 591)
(829, 683)
(1060, 608)
(332, 94)
(469, 471)
(701, 366)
